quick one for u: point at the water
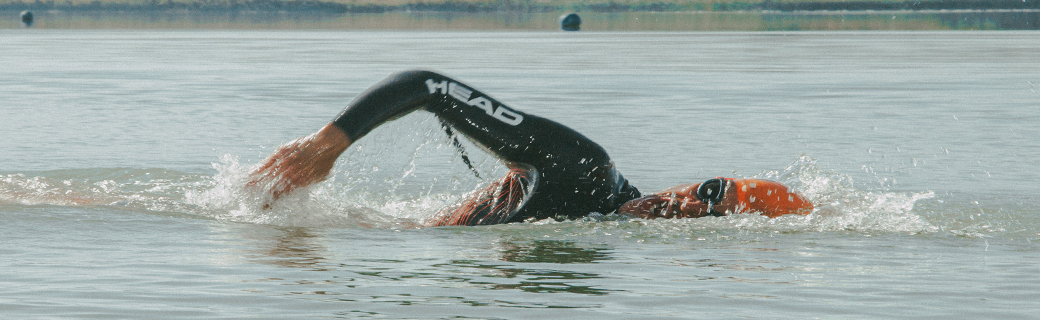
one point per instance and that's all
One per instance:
(123, 153)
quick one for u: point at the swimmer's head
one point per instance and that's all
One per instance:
(717, 197)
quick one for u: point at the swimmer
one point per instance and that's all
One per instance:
(555, 172)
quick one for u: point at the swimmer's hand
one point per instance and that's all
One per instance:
(300, 163)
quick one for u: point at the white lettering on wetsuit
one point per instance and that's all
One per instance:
(463, 94)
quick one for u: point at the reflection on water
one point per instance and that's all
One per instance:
(551, 251)
(612, 21)
(531, 280)
(304, 248)
(529, 266)
(540, 280)
(291, 248)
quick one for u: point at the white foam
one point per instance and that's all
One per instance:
(841, 206)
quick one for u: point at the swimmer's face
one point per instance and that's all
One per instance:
(676, 202)
(768, 198)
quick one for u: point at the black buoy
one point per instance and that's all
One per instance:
(570, 22)
(27, 18)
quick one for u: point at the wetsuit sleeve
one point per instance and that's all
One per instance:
(395, 96)
(507, 133)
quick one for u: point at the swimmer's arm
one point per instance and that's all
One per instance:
(302, 162)
(310, 159)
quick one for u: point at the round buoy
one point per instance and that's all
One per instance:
(570, 22)
(27, 18)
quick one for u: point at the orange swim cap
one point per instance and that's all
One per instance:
(770, 198)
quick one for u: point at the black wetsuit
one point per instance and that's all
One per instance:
(571, 176)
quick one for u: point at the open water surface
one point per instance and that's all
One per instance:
(122, 154)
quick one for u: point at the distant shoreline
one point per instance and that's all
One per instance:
(528, 15)
(329, 7)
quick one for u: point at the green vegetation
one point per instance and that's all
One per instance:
(532, 6)
(756, 15)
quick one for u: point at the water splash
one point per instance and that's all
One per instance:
(842, 206)
(398, 175)
(231, 199)
(20, 189)
(351, 199)
(153, 190)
